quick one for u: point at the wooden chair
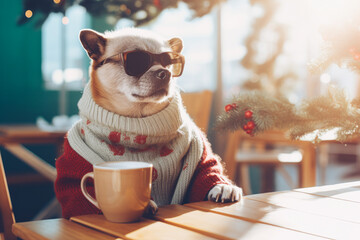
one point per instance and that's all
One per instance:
(198, 105)
(6, 214)
(327, 148)
(243, 151)
(41, 229)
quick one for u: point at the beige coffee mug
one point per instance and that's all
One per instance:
(122, 189)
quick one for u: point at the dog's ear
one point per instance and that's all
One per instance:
(176, 44)
(93, 42)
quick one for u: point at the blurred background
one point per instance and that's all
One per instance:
(230, 47)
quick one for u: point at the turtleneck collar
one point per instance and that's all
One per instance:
(167, 121)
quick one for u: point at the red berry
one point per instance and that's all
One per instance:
(245, 127)
(248, 131)
(248, 114)
(228, 107)
(250, 125)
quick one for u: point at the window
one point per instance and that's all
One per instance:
(63, 57)
(199, 41)
(199, 36)
(302, 22)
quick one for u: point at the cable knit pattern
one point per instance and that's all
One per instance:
(168, 139)
(184, 165)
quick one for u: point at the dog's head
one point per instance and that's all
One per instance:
(132, 65)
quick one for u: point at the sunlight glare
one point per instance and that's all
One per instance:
(320, 16)
(328, 135)
(65, 20)
(325, 78)
(71, 75)
(294, 157)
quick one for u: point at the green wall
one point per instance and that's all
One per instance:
(22, 99)
(22, 94)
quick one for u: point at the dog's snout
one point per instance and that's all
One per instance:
(163, 74)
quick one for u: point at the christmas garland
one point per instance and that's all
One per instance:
(256, 112)
(138, 11)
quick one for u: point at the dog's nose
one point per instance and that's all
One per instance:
(163, 74)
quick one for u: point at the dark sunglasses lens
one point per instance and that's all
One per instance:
(137, 63)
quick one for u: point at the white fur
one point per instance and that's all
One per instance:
(135, 38)
(127, 40)
(225, 193)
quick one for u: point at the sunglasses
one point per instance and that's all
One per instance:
(138, 62)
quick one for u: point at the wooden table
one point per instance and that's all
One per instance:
(13, 138)
(328, 212)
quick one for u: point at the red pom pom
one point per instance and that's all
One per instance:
(248, 114)
(250, 125)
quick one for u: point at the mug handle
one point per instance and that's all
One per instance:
(84, 190)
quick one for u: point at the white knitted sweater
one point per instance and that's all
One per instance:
(168, 139)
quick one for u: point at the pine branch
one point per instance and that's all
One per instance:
(267, 112)
(318, 115)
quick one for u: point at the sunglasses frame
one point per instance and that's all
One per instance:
(154, 58)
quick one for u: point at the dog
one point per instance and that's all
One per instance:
(132, 109)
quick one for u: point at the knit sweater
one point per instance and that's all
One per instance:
(185, 169)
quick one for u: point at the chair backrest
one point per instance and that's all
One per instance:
(6, 214)
(198, 105)
(230, 151)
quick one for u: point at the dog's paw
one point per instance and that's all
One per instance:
(225, 193)
(151, 209)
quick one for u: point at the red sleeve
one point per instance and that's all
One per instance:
(71, 167)
(208, 173)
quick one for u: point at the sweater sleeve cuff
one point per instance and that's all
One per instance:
(205, 185)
